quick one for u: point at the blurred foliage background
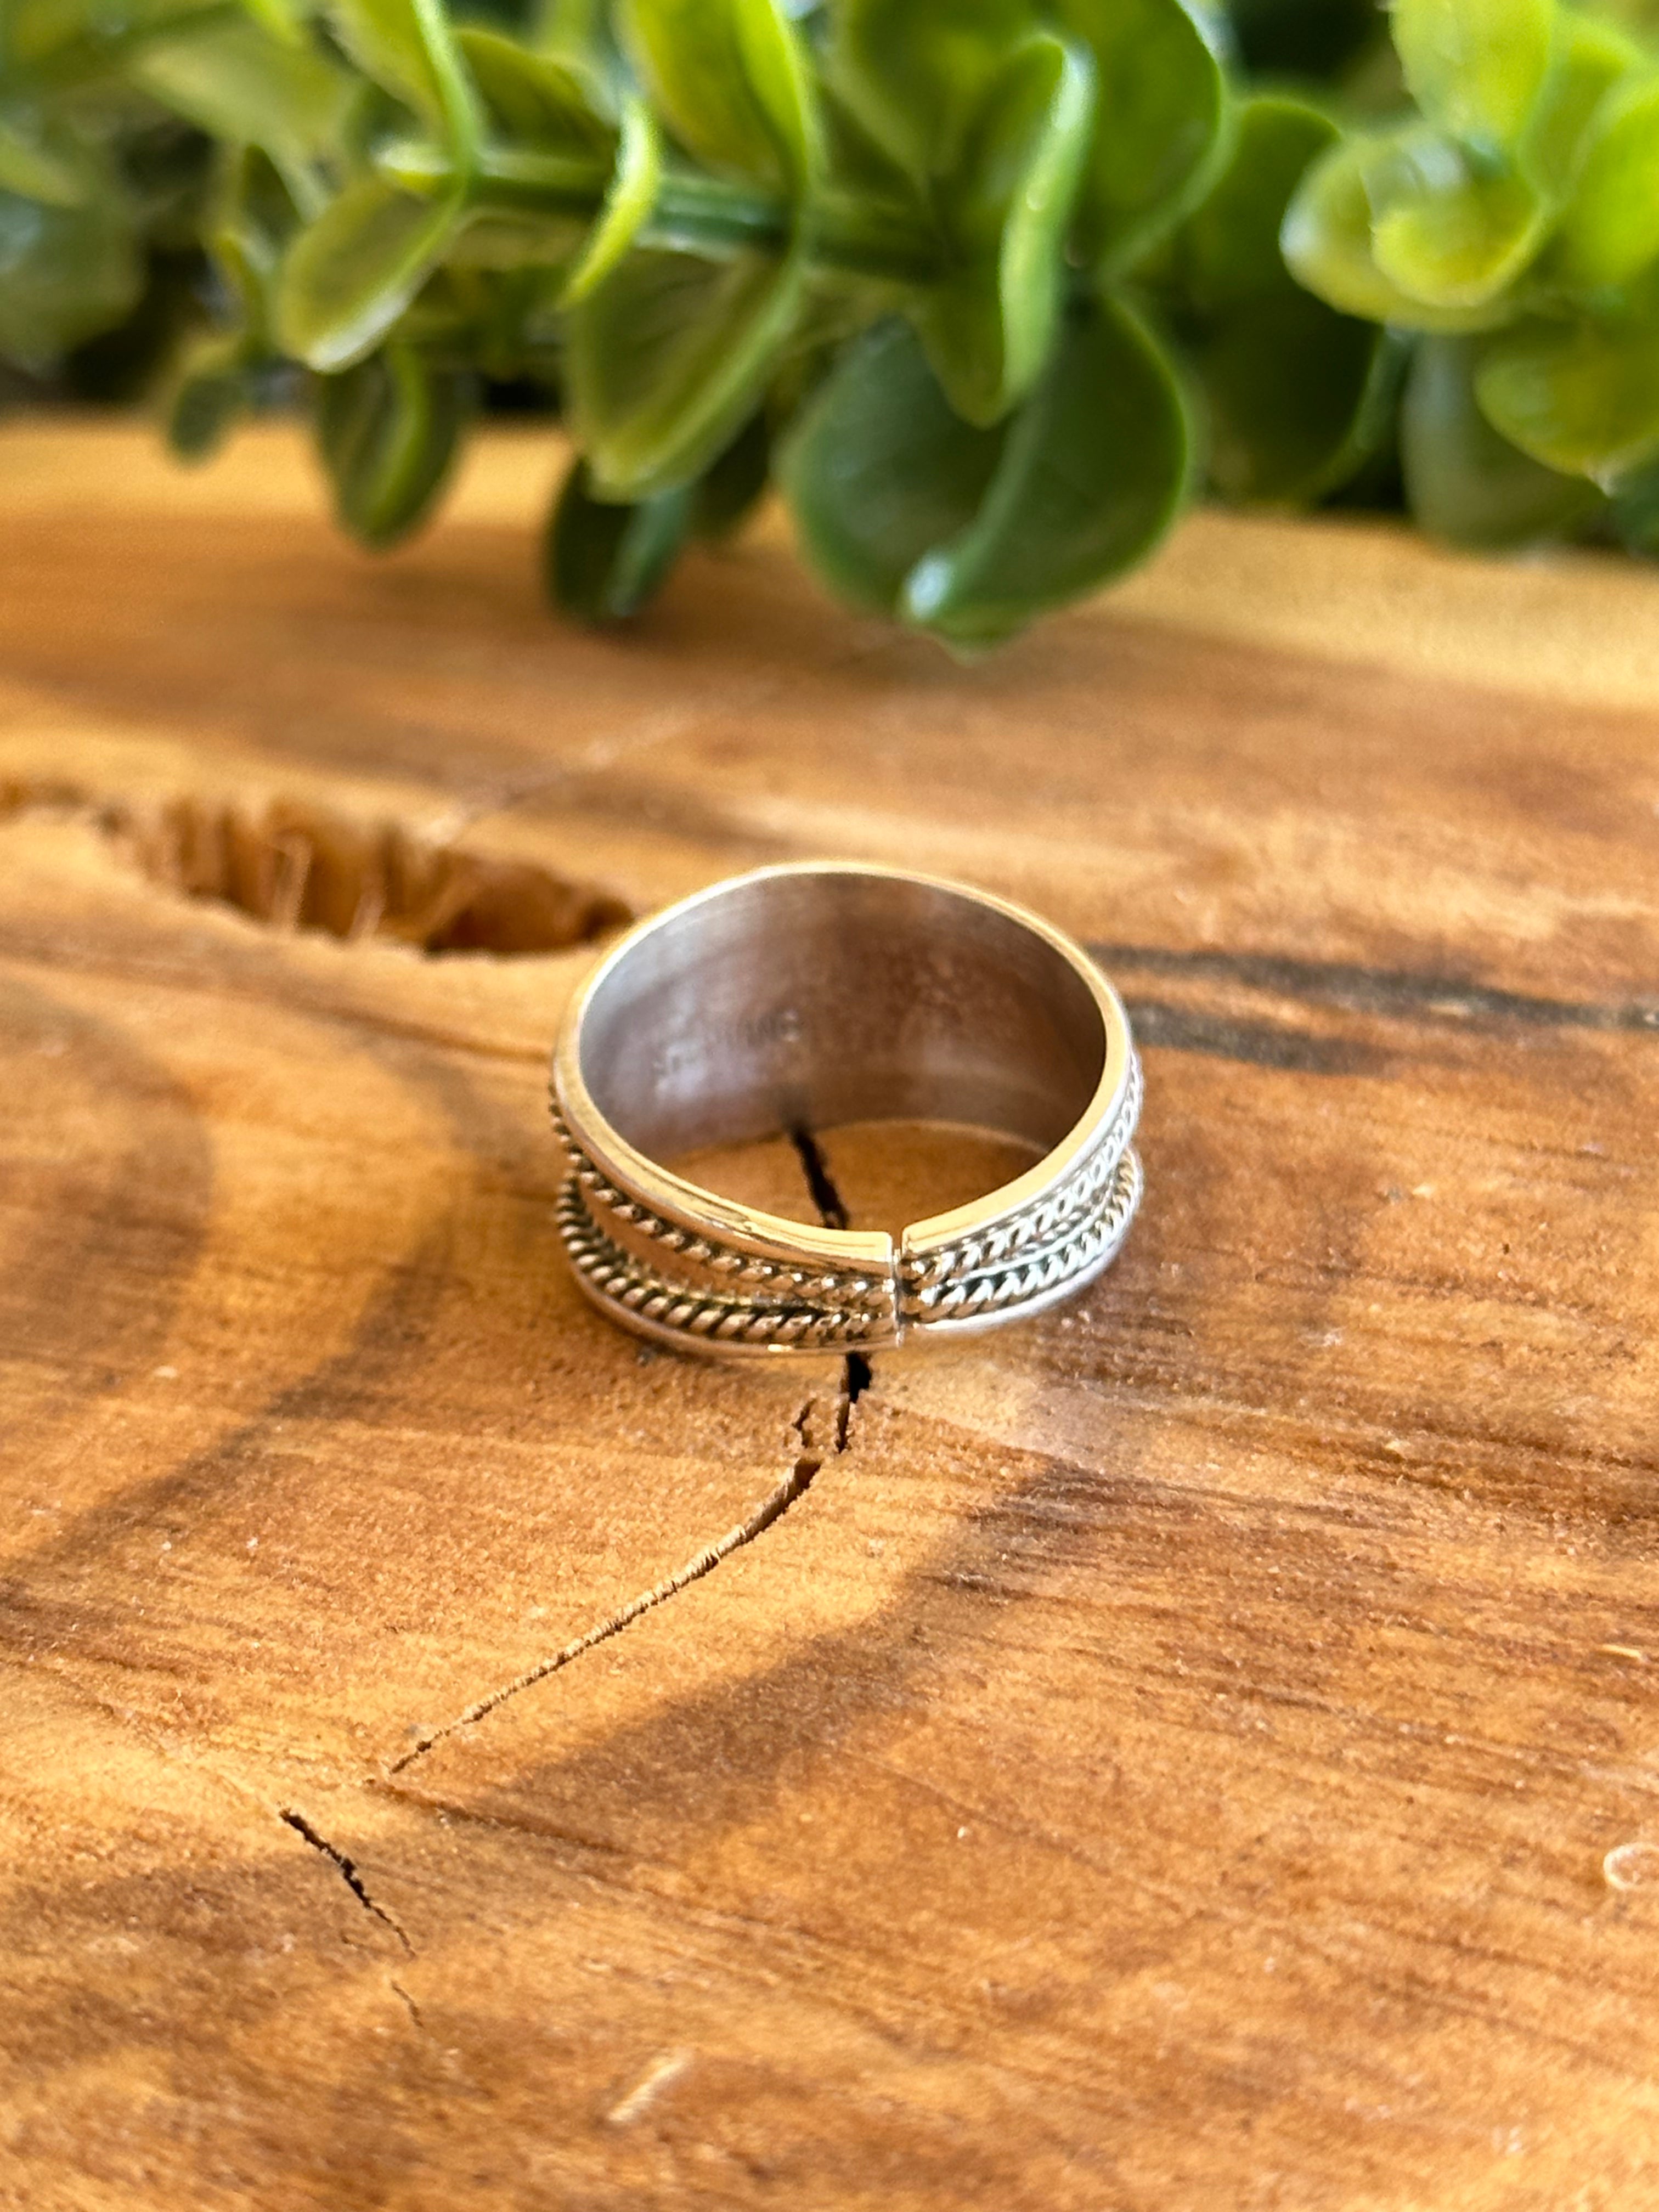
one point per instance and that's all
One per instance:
(988, 288)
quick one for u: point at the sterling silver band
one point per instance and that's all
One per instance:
(800, 998)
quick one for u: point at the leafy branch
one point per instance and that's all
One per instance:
(1513, 222)
(986, 287)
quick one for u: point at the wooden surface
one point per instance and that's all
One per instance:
(1198, 1753)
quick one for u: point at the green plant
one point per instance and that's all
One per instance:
(987, 287)
(99, 185)
(1513, 222)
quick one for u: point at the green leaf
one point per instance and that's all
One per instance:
(1591, 59)
(635, 178)
(538, 100)
(348, 278)
(668, 356)
(238, 83)
(40, 160)
(253, 221)
(68, 39)
(1464, 483)
(409, 47)
(1296, 396)
(1163, 103)
(856, 160)
(65, 274)
(737, 481)
(1092, 472)
(915, 76)
(878, 468)
(514, 241)
(1610, 232)
(1580, 397)
(211, 393)
(731, 79)
(1476, 67)
(284, 19)
(903, 507)
(1326, 241)
(1295, 393)
(387, 430)
(987, 325)
(1635, 514)
(579, 30)
(555, 133)
(1447, 232)
(1228, 254)
(604, 560)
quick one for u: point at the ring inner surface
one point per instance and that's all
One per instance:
(804, 1001)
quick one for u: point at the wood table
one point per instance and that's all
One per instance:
(1199, 1752)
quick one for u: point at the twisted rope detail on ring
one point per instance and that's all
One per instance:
(999, 1288)
(776, 1282)
(776, 1321)
(1065, 1235)
(1044, 1225)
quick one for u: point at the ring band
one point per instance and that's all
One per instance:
(799, 998)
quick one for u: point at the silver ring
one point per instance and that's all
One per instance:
(799, 998)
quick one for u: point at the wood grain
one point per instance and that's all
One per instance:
(1197, 1751)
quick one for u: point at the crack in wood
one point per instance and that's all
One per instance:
(347, 1869)
(832, 1210)
(857, 1374)
(856, 1378)
(772, 1508)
